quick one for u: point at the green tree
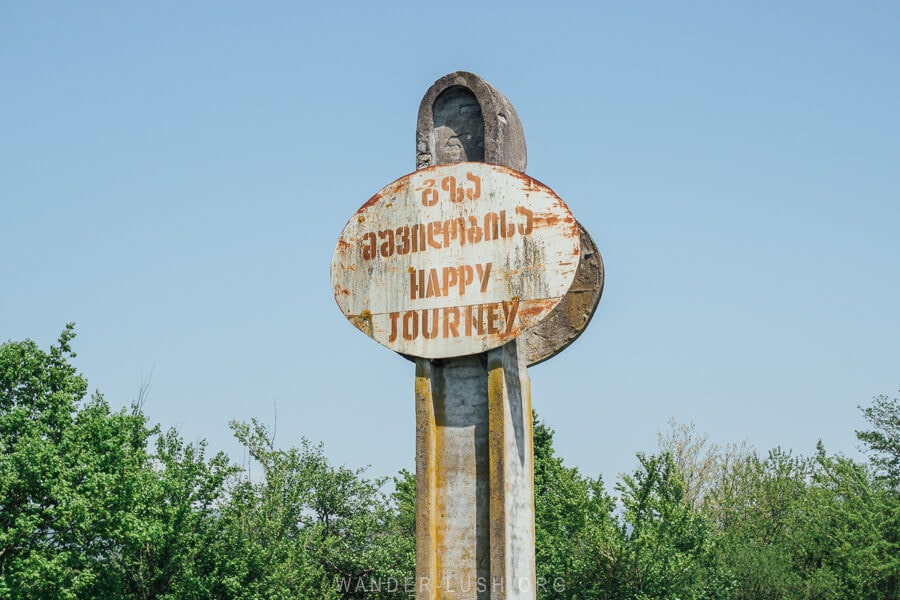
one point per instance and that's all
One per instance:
(86, 509)
(756, 504)
(797, 527)
(65, 467)
(313, 530)
(883, 440)
(170, 544)
(668, 548)
(575, 538)
(848, 533)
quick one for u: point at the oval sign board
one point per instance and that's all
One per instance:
(455, 260)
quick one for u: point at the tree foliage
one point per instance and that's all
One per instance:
(310, 529)
(97, 503)
(574, 526)
(883, 440)
(67, 467)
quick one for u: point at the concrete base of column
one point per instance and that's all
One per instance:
(474, 478)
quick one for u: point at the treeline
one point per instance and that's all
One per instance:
(96, 503)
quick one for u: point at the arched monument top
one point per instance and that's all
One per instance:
(449, 126)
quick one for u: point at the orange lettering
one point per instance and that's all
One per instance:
(490, 226)
(418, 237)
(484, 273)
(473, 234)
(492, 315)
(527, 228)
(434, 324)
(451, 325)
(368, 246)
(448, 184)
(510, 309)
(393, 336)
(434, 229)
(403, 246)
(434, 287)
(449, 278)
(465, 278)
(476, 193)
(429, 194)
(416, 287)
(410, 325)
(387, 247)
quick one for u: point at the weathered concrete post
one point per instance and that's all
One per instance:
(474, 471)
(474, 270)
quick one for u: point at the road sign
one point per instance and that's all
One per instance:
(455, 259)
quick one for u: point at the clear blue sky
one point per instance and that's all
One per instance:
(174, 176)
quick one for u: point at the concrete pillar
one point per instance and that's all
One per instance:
(474, 478)
(474, 456)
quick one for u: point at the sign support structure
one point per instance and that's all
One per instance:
(474, 477)
(474, 447)
(474, 271)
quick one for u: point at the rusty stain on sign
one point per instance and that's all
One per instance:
(455, 260)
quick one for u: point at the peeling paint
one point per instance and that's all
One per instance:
(410, 244)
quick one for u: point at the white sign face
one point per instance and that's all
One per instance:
(455, 260)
